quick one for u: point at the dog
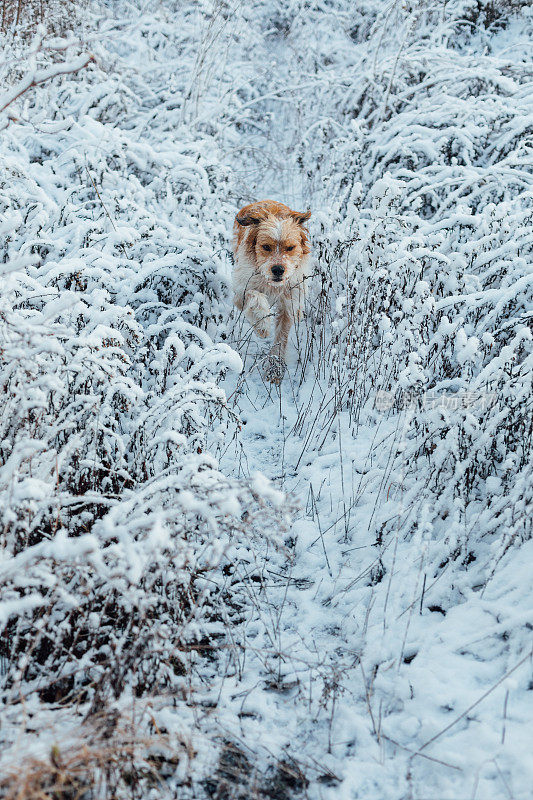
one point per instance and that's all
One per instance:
(272, 259)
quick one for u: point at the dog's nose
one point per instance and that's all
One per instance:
(277, 271)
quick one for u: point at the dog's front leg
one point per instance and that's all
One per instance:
(283, 324)
(275, 365)
(290, 310)
(257, 311)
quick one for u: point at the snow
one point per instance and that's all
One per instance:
(321, 589)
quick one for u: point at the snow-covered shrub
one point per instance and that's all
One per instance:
(117, 522)
(429, 260)
(21, 17)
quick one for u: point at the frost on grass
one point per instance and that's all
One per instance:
(168, 627)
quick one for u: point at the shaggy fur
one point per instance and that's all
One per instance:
(272, 255)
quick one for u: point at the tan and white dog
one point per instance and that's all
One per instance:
(272, 258)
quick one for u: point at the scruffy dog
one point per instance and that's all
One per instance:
(272, 255)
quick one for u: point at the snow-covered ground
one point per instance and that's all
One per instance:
(215, 587)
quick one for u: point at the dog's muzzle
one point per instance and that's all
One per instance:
(277, 272)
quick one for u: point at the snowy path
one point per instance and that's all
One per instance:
(312, 606)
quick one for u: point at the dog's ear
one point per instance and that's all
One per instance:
(301, 216)
(247, 220)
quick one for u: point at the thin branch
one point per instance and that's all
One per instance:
(37, 77)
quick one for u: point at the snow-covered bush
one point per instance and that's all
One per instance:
(20, 17)
(430, 259)
(116, 520)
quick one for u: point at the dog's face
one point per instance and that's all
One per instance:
(277, 245)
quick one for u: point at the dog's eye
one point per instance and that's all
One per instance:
(290, 247)
(267, 247)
